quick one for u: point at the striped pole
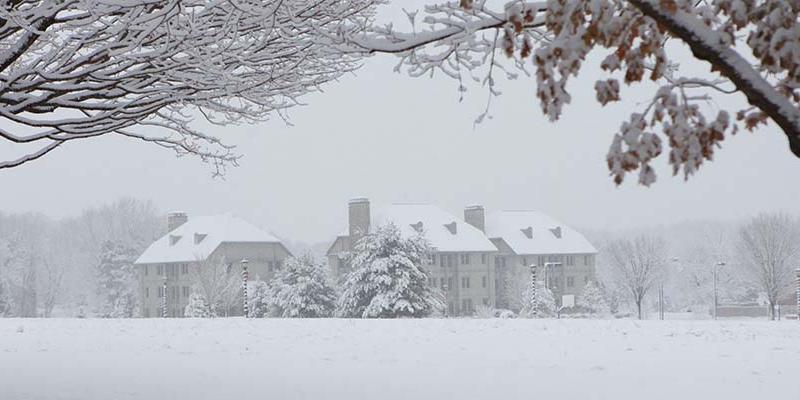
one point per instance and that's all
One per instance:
(797, 272)
(164, 298)
(245, 278)
(534, 306)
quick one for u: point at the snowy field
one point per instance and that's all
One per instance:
(398, 359)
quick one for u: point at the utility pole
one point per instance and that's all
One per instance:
(245, 278)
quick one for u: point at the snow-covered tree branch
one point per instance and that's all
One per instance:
(753, 48)
(143, 69)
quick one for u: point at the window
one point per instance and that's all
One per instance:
(441, 283)
(483, 258)
(466, 306)
(270, 266)
(524, 260)
(541, 261)
(160, 269)
(500, 262)
(185, 291)
(432, 259)
(147, 293)
(451, 260)
(160, 291)
(586, 279)
(450, 282)
(570, 260)
(587, 259)
(464, 259)
(184, 269)
(173, 293)
(485, 301)
(570, 281)
(442, 259)
(483, 281)
(465, 282)
(278, 264)
(145, 270)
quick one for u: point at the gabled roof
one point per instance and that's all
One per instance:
(200, 236)
(444, 231)
(532, 232)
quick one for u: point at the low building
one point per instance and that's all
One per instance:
(190, 243)
(461, 261)
(563, 257)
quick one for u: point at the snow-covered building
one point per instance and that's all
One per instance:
(564, 258)
(461, 262)
(479, 260)
(194, 242)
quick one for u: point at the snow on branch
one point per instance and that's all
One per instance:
(555, 37)
(77, 69)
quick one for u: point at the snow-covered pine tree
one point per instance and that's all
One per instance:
(592, 300)
(544, 303)
(116, 281)
(388, 279)
(258, 299)
(197, 307)
(301, 289)
(6, 301)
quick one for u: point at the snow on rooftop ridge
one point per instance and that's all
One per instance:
(197, 238)
(534, 232)
(444, 231)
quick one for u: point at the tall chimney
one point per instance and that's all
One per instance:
(358, 218)
(176, 219)
(474, 216)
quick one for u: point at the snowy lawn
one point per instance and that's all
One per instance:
(398, 359)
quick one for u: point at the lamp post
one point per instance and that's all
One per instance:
(797, 273)
(245, 278)
(718, 264)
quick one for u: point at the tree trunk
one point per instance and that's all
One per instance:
(639, 308)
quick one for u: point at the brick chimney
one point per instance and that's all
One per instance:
(176, 219)
(474, 215)
(358, 218)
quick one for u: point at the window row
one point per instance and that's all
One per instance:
(568, 260)
(453, 259)
(466, 282)
(174, 292)
(169, 269)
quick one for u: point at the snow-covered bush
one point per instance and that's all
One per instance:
(301, 289)
(258, 299)
(543, 303)
(388, 279)
(592, 300)
(484, 312)
(197, 307)
(6, 301)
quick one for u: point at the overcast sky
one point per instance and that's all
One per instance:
(393, 138)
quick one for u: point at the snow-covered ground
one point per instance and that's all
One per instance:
(398, 359)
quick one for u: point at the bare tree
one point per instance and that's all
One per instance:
(76, 69)
(551, 40)
(218, 283)
(637, 265)
(769, 245)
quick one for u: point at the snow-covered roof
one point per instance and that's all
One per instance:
(533, 232)
(200, 236)
(444, 231)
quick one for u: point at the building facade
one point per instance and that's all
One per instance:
(478, 260)
(173, 260)
(460, 264)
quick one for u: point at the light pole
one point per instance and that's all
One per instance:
(718, 264)
(245, 278)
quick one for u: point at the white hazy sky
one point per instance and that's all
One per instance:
(397, 139)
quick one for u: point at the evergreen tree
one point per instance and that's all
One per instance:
(197, 307)
(258, 299)
(301, 289)
(388, 279)
(592, 300)
(116, 281)
(6, 301)
(544, 302)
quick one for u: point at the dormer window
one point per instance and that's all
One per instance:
(417, 227)
(528, 232)
(198, 237)
(173, 239)
(451, 227)
(556, 232)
